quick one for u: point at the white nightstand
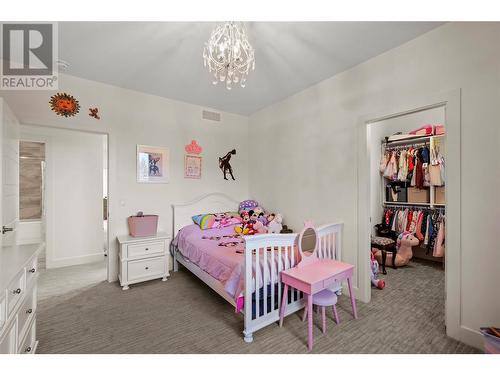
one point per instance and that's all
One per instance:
(143, 258)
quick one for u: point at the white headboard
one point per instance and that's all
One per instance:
(209, 203)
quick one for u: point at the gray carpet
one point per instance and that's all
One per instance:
(183, 315)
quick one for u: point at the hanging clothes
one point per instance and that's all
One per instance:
(420, 226)
(383, 161)
(403, 166)
(391, 171)
(408, 221)
(419, 171)
(434, 229)
(413, 223)
(428, 230)
(439, 243)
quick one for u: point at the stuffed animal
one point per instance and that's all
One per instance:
(405, 242)
(259, 227)
(274, 225)
(263, 219)
(247, 226)
(247, 205)
(376, 282)
(253, 216)
(243, 229)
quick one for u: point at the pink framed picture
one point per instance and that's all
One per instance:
(192, 166)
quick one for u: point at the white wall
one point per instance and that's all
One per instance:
(310, 143)
(73, 186)
(131, 118)
(376, 132)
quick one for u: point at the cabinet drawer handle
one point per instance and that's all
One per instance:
(28, 349)
(147, 268)
(29, 311)
(17, 291)
(32, 270)
(147, 248)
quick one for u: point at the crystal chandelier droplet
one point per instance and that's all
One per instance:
(228, 54)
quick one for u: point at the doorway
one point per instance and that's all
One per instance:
(73, 208)
(408, 213)
(450, 102)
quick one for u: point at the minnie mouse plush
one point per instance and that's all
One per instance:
(246, 228)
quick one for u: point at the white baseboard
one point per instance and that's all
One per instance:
(74, 261)
(470, 337)
(27, 241)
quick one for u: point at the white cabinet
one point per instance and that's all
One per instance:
(143, 258)
(18, 298)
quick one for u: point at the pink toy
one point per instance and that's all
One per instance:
(405, 242)
(313, 276)
(377, 283)
(259, 227)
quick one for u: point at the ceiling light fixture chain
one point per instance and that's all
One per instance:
(228, 54)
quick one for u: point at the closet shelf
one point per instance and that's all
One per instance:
(424, 138)
(413, 204)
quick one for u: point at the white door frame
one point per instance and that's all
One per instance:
(453, 288)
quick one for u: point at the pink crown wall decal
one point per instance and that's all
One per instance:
(193, 148)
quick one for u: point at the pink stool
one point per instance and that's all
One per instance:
(324, 299)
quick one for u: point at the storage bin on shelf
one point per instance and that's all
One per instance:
(439, 196)
(418, 195)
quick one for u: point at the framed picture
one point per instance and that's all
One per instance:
(152, 164)
(192, 166)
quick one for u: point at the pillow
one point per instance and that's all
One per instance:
(219, 220)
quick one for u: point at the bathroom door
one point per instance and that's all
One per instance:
(9, 175)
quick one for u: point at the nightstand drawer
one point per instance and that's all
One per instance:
(144, 268)
(145, 249)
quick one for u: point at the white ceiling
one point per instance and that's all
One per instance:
(165, 59)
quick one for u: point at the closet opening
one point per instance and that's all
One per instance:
(407, 179)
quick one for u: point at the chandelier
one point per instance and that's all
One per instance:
(228, 54)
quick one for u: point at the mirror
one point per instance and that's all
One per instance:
(307, 242)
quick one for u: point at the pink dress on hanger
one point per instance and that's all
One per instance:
(439, 244)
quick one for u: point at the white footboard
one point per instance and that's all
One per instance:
(266, 256)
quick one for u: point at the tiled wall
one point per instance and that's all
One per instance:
(30, 179)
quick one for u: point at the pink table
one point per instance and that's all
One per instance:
(314, 278)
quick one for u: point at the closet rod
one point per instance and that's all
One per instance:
(422, 207)
(426, 138)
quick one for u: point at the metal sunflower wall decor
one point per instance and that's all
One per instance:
(64, 104)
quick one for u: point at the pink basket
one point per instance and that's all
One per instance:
(143, 226)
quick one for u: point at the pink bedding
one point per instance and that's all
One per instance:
(215, 252)
(220, 253)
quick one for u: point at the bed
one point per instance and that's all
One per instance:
(244, 270)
